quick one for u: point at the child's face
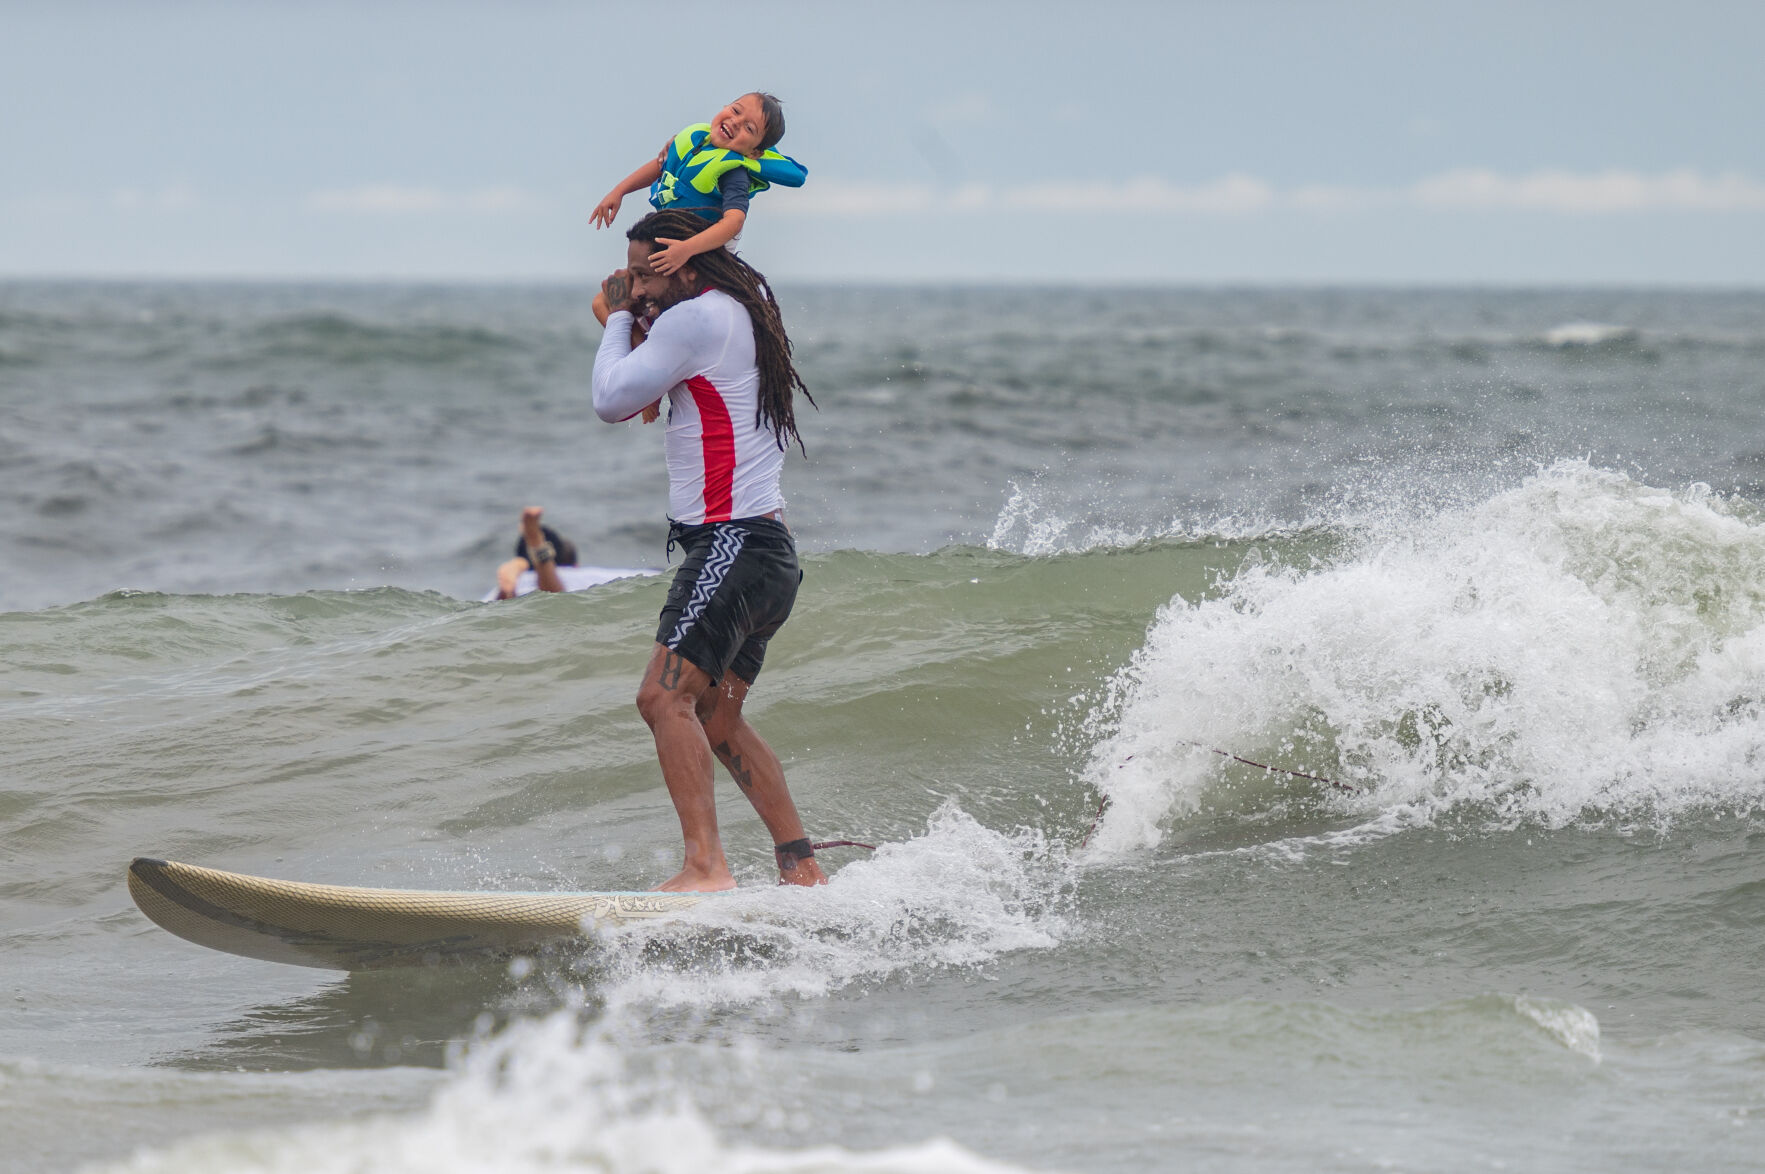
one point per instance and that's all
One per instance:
(739, 125)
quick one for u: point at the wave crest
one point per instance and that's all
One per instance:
(1583, 647)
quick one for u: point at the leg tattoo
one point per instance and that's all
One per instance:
(743, 777)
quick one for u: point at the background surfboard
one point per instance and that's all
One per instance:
(342, 928)
(575, 579)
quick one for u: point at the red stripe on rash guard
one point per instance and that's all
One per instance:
(717, 439)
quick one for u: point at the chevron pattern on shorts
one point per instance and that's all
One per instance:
(725, 546)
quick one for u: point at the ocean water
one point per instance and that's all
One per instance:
(1493, 562)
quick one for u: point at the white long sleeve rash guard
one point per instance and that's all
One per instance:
(723, 462)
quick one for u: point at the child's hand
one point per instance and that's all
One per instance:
(606, 210)
(652, 413)
(671, 258)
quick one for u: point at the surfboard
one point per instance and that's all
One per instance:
(574, 579)
(340, 928)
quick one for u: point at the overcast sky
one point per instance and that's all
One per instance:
(1249, 140)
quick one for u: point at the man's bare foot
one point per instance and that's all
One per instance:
(689, 880)
(806, 872)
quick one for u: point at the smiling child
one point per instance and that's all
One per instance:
(712, 169)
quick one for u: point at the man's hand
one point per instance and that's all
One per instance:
(667, 260)
(617, 290)
(606, 210)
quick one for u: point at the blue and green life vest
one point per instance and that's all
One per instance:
(692, 168)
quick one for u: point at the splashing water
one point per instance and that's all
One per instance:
(958, 896)
(545, 1096)
(1028, 526)
(552, 1093)
(1574, 1027)
(1582, 647)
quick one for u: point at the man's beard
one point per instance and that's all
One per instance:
(677, 292)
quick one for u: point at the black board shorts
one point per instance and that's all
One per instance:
(733, 590)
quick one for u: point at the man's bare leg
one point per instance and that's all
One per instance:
(668, 700)
(756, 769)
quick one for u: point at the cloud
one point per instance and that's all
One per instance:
(1325, 197)
(390, 199)
(835, 197)
(175, 197)
(1462, 190)
(1605, 191)
(1228, 195)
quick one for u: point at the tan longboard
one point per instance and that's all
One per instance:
(341, 928)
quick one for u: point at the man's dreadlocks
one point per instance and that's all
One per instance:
(723, 270)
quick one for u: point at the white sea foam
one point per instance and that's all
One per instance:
(1574, 1027)
(1025, 525)
(544, 1096)
(1587, 334)
(1028, 524)
(958, 896)
(1583, 646)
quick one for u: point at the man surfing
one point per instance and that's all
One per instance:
(718, 350)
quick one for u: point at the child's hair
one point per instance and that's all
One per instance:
(773, 111)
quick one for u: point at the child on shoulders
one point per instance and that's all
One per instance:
(712, 169)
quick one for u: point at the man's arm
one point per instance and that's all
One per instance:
(625, 380)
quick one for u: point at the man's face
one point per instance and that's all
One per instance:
(660, 291)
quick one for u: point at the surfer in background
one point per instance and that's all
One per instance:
(719, 352)
(540, 549)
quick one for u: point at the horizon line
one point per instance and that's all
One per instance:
(970, 282)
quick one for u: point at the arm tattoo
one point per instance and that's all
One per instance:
(743, 777)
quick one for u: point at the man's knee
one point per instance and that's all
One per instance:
(656, 703)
